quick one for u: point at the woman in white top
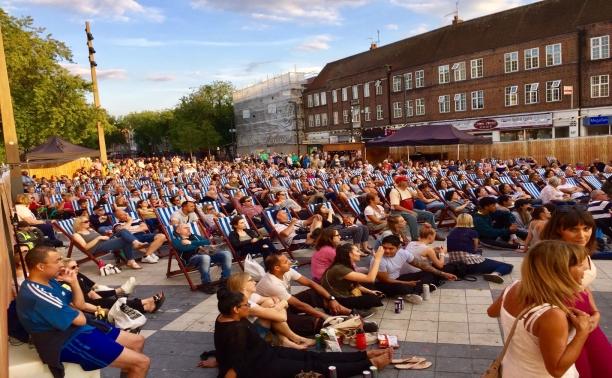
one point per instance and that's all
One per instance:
(550, 335)
(267, 313)
(422, 247)
(26, 215)
(376, 217)
(541, 216)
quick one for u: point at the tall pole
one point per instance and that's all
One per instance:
(96, 94)
(8, 126)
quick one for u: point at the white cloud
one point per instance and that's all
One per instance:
(317, 11)
(160, 77)
(122, 10)
(316, 43)
(392, 26)
(468, 9)
(419, 29)
(144, 42)
(136, 42)
(102, 74)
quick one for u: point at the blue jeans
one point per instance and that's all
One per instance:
(490, 266)
(202, 263)
(412, 221)
(122, 240)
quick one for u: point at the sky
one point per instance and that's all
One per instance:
(150, 53)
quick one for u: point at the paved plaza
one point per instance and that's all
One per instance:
(451, 329)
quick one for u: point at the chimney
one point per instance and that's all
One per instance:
(373, 46)
(457, 20)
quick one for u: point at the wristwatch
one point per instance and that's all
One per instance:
(332, 298)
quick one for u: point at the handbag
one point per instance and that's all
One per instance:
(253, 268)
(125, 317)
(495, 369)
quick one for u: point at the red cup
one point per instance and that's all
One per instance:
(360, 341)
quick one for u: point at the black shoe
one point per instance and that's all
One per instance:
(207, 288)
(370, 327)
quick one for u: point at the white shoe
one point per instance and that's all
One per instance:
(154, 255)
(128, 286)
(413, 298)
(149, 259)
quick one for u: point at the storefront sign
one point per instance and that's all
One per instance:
(597, 121)
(317, 138)
(510, 122)
(485, 124)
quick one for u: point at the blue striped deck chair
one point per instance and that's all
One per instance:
(270, 218)
(541, 171)
(335, 188)
(205, 181)
(312, 206)
(323, 176)
(532, 189)
(245, 180)
(312, 181)
(472, 176)
(66, 227)
(355, 208)
(524, 178)
(462, 173)
(479, 181)
(55, 199)
(506, 180)
(298, 185)
(459, 184)
(224, 180)
(165, 213)
(265, 182)
(225, 227)
(593, 182)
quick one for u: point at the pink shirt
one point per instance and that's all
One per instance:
(320, 261)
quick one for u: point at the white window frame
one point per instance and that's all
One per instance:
(355, 92)
(476, 68)
(460, 102)
(323, 119)
(511, 96)
(444, 104)
(409, 108)
(532, 93)
(323, 96)
(397, 109)
(443, 74)
(408, 80)
(600, 86)
(477, 99)
(459, 73)
(336, 120)
(379, 112)
(366, 89)
(345, 94)
(311, 121)
(600, 47)
(317, 120)
(345, 116)
(309, 101)
(355, 114)
(532, 58)
(553, 55)
(366, 114)
(419, 79)
(335, 96)
(419, 105)
(553, 91)
(511, 62)
(315, 97)
(379, 87)
(397, 83)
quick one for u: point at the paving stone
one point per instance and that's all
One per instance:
(452, 365)
(453, 350)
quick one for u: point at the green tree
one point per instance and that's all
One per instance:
(47, 99)
(150, 128)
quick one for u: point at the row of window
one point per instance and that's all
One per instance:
(600, 87)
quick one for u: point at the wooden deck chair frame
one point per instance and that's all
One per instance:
(65, 226)
(270, 219)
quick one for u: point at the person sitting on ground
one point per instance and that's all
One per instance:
(421, 248)
(496, 228)
(105, 297)
(268, 314)
(147, 213)
(241, 352)
(276, 283)
(376, 217)
(345, 284)
(457, 204)
(91, 241)
(246, 240)
(323, 257)
(463, 246)
(541, 216)
(522, 213)
(392, 282)
(295, 231)
(58, 328)
(396, 226)
(26, 215)
(195, 251)
(186, 214)
(345, 225)
(140, 230)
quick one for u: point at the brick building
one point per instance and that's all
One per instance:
(507, 76)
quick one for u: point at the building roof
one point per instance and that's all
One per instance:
(518, 25)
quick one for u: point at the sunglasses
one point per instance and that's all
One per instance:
(73, 267)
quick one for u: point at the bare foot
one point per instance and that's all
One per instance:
(381, 361)
(211, 362)
(290, 344)
(307, 342)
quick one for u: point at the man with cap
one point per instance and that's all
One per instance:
(402, 203)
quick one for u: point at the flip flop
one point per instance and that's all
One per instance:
(418, 366)
(407, 360)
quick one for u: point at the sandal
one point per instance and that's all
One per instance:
(159, 300)
(417, 366)
(408, 360)
(134, 265)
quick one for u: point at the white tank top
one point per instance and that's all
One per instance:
(523, 358)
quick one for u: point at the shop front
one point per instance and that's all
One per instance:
(598, 125)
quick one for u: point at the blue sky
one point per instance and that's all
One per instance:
(151, 53)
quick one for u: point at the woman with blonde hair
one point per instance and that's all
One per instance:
(24, 214)
(464, 246)
(549, 334)
(267, 314)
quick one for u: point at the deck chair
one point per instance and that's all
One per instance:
(225, 227)
(66, 227)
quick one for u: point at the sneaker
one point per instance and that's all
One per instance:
(493, 277)
(365, 314)
(370, 327)
(149, 259)
(413, 298)
(128, 286)
(432, 288)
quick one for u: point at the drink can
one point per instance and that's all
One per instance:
(398, 307)
(401, 299)
(319, 343)
(425, 292)
(374, 371)
(332, 373)
(367, 374)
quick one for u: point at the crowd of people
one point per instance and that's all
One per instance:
(373, 231)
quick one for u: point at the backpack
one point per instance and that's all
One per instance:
(459, 269)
